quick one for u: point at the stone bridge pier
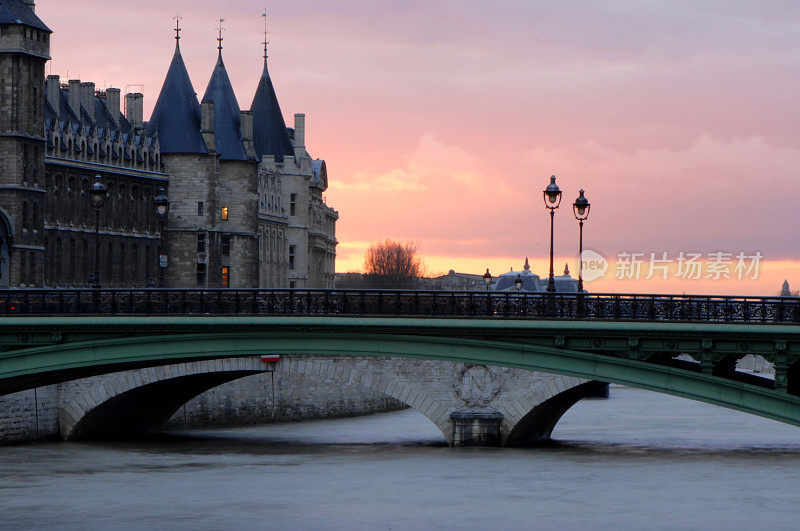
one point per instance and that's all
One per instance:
(472, 405)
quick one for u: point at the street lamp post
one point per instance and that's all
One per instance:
(97, 195)
(162, 209)
(552, 198)
(581, 209)
(487, 279)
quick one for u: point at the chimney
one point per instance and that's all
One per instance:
(87, 99)
(75, 96)
(134, 105)
(299, 136)
(207, 124)
(112, 102)
(53, 88)
(247, 133)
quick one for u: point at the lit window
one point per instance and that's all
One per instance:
(224, 213)
(226, 276)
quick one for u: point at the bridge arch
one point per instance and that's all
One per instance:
(135, 402)
(435, 390)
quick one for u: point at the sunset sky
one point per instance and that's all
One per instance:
(441, 121)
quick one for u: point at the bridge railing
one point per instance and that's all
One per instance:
(464, 304)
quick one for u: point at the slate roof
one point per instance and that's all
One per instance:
(102, 116)
(16, 12)
(227, 117)
(176, 115)
(269, 129)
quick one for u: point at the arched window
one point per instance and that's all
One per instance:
(73, 272)
(72, 203)
(122, 262)
(32, 269)
(57, 193)
(57, 262)
(86, 262)
(135, 263)
(148, 267)
(48, 258)
(122, 216)
(135, 207)
(85, 203)
(109, 261)
(110, 205)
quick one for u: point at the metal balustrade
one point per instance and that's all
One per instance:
(434, 304)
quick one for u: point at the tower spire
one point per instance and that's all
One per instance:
(177, 19)
(266, 42)
(219, 39)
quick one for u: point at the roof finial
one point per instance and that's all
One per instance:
(177, 18)
(219, 39)
(527, 266)
(266, 42)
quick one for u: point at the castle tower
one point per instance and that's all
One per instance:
(186, 136)
(303, 225)
(233, 261)
(24, 50)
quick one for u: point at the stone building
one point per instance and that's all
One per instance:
(246, 203)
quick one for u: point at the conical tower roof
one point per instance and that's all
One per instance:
(176, 116)
(15, 12)
(269, 129)
(227, 117)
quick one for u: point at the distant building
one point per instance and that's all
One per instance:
(453, 281)
(786, 292)
(533, 282)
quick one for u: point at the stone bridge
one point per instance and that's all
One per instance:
(495, 380)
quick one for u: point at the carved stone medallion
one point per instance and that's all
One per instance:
(477, 385)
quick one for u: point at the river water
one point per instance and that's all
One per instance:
(637, 460)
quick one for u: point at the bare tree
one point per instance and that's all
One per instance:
(392, 265)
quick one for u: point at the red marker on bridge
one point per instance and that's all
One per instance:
(272, 358)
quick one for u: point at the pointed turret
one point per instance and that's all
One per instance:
(227, 116)
(269, 129)
(176, 116)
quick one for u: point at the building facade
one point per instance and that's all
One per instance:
(246, 198)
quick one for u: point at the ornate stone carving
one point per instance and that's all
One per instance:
(477, 385)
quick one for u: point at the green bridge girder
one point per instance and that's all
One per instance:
(45, 350)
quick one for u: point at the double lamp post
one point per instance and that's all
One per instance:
(552, 200)
(580, 208)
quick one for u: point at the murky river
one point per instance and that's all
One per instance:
(638, 460)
